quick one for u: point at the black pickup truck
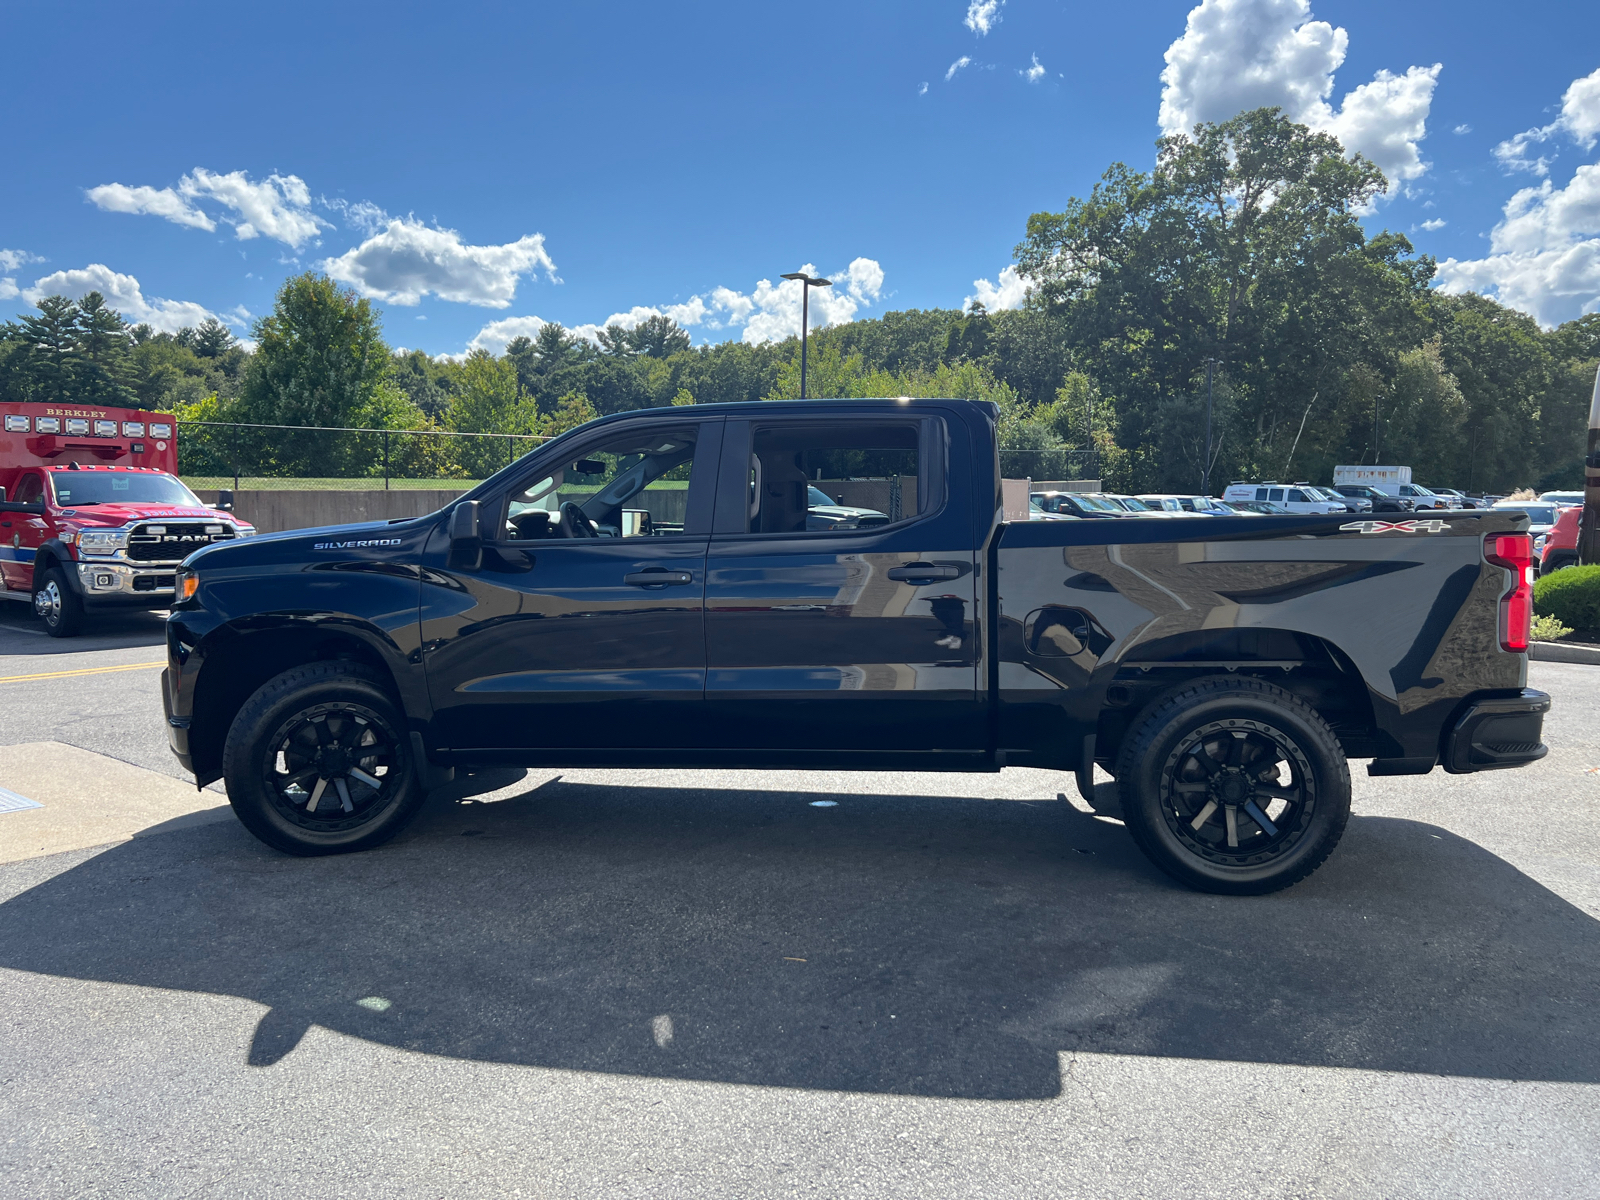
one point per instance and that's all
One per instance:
(649, 590)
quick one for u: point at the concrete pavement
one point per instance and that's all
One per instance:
(696, 983)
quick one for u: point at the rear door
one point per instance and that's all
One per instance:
(845, 639)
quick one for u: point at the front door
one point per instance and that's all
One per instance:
(841, 594)
(21, 534)
(580, 625)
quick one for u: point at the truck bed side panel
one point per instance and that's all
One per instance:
(1414, 614)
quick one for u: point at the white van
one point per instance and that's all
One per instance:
(1295, 499)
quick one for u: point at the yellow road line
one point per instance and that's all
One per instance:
(84, 671)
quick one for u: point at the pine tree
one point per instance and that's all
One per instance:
(104, 369)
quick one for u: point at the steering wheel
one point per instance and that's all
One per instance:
(573, 523)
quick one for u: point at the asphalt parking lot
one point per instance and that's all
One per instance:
(609, 983)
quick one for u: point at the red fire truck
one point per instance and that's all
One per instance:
(92, 514)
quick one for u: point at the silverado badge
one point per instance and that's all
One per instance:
(1396, 526)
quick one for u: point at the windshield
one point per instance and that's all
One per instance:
(1098, 505)
(79, 489)
(1134, 505)
(819, 498)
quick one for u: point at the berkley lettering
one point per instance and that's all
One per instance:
(75, 412)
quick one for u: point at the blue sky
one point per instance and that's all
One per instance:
(480, 168)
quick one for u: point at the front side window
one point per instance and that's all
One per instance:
(834, 477)
(29, 491)
(627, 485)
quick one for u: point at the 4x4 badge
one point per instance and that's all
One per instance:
(1395, 527)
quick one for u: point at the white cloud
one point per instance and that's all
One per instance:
(1034, 73)
(497, 335)
(1544, 254)
(1436, 223)
(277, 207)
(10, 260)
(983, 15)
(922, 88)
(410, 260)
(1009, 291)
(1236, 55)
(963, 61)
(769, 312)
(1579, 120)
(155, 202)
(363, 214)
(1460, 129)
(122, 293)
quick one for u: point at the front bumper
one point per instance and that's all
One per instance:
(177, 727)
(1498, 732)
(110, 581)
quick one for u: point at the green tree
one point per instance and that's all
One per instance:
(320, 356)
(104, 371)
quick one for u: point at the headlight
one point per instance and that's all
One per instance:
(185, 583)
(102, 541)
(244, 531)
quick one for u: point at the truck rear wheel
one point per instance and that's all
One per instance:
(1234, 786)
(57, 605)
(318, 762)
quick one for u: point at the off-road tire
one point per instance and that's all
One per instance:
(64, 617)
(334, 694)
(1162, 779)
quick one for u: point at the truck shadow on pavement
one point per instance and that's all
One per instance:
(908, 945)
(23, 633)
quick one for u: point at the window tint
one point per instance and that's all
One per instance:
(1298, 496)
(868, 473)
(627, 485)
(30, 490)
(1275, 494)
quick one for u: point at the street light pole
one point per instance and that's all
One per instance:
(1205, 467)
(807, 282)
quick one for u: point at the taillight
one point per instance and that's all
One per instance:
(1514, 551)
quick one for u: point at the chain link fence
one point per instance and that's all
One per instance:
(240, 457)
(243, 457)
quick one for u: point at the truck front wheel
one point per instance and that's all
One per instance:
(1234, 786)
(57, 605)
(317, 762)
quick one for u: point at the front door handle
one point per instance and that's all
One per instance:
(923, 572)
(657, 577)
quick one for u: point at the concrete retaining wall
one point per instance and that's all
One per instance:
(275, 511)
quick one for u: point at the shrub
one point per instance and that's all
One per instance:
(1571, 595)
(1548, 629)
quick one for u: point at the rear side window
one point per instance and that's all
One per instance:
(1261, 493)
(1275, 494)
(835, 477)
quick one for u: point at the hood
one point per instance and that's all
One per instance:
(114, 516)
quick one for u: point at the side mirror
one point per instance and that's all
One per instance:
(464, 526)
(225, 500)
(2, 495)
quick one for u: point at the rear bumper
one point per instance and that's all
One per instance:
(1497, 732)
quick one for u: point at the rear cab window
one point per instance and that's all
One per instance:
(840, 476)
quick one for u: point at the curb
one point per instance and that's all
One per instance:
(1556, 652)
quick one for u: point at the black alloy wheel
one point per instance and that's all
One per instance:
(317, 761)
(1237, 792)
(1233, 785)
(327, 766)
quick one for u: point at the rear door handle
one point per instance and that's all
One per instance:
(922, 572)
(658, 577)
